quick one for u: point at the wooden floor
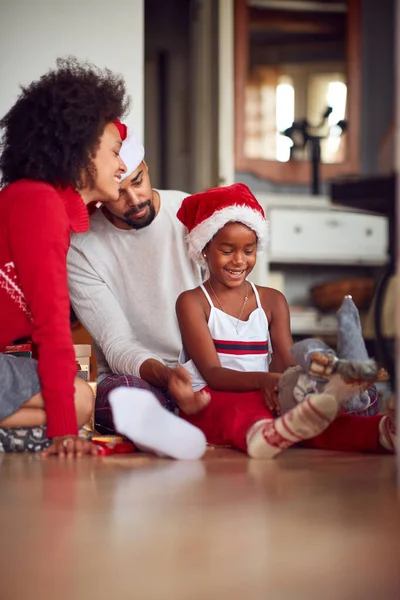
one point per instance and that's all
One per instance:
(309, 525)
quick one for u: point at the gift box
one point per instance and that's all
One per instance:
(83, 352)
(20, 350)
(112, 444)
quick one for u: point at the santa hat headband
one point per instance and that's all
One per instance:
(132, 153)
(204, 214)
(123, 130)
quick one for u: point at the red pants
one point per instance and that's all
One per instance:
(229, 416)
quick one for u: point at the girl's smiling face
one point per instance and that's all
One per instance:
(231, 254)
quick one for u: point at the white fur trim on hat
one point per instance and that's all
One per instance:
(200, 235)
(132, 153)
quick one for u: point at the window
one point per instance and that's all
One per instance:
(273, 102)
(285, 105)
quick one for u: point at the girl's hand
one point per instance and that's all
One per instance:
(70, 446)
(269, 389)
(180, 386)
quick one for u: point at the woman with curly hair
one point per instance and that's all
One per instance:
(59, 152)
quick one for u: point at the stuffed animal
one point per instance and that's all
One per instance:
(349, 374)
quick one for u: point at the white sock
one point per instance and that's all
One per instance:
(139, 416)
(311, 417)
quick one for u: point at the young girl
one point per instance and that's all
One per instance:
(60, 151)
(236, 339)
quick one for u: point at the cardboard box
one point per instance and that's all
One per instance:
(83, 352)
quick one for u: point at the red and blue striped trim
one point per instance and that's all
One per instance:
(240, 347)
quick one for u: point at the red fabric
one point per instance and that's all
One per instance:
(349, 433)
(35, 224)
(123, 130)
(229, 416)
(200, 207)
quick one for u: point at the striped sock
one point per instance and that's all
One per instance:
(269, 437)
(387, 429)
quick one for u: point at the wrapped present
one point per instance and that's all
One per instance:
(20, 350)
(112, 444)
(83, 353)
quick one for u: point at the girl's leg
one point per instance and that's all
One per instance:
(353, 433)
(243, 421)
(226, 420)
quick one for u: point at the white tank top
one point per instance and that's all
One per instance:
(247, 350)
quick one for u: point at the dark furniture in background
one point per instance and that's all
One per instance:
(376, 195)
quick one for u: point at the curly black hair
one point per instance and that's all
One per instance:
(53, 130)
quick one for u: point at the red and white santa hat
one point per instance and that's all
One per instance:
(122, 128)
(205, 213)
(132, 153)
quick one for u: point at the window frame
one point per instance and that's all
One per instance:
(298, 171)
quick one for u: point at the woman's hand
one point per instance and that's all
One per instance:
(70, 446)
(180, 386)
(269, 388)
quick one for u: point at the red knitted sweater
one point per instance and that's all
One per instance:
(35, 224)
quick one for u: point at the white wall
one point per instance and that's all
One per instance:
(109, 33)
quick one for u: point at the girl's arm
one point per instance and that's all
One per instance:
(198, 343)
(277, 310)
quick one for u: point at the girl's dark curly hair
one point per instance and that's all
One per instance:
(53, 130)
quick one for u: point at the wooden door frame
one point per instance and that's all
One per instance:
(298, 172)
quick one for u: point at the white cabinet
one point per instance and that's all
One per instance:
(326, 236)
(311, 241)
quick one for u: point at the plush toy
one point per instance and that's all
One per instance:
(349, 374)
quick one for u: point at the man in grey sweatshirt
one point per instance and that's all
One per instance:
(125, 275)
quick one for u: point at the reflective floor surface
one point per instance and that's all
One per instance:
(309, 525)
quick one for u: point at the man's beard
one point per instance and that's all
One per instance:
(140, 223)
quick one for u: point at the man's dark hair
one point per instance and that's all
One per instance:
(53, 130)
